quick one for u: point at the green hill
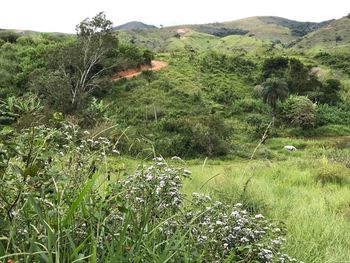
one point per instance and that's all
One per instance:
(274, 28)
(260, 29)
(134, 25)
(334, 36)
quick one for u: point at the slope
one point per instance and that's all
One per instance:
(334, 36)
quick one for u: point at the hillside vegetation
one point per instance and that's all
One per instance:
(182, 164)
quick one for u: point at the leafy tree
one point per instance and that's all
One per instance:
(297, 76)
(300, 111)
(148, 56)
(274, 67)
(9, 36)
(330, 92)
(274, 90)
(82, 64)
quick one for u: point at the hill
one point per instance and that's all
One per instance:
(134, 25)
(274, 28)
(335, 35)
(263, 29)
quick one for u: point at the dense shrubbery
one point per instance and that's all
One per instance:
(300, 111)
(211, 62)
(339, 114)
(338, 61)
(194, 136)
(57, 204)
(220, 30)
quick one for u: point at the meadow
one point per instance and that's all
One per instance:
(305, 190)
(183, 164)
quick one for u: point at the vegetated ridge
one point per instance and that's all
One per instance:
(134, 25)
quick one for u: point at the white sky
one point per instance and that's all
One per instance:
(63, 15)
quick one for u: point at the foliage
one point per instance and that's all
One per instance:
(213, 61)
(330, 173)
(329, 93)
(219, 30)
(12, 108)
(300, 111)
(337, 60)
(274, 90)
(274, 67)
(258, 123)
(9, 36)
(57, 204)
(80, 66)
(193, 136)
(328, 114)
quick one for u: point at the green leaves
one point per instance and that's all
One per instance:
(74, 206)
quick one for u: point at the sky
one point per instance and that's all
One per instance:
(63, 15)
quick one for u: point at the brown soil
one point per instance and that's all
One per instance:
(130, 73)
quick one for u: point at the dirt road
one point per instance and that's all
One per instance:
(130, 73)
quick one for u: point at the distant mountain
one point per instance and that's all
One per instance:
(334, 35)
(275, 28)
(134, 25)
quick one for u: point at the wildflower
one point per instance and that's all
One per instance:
(244, 239)
(235, 214)
(217, 203)
(259, 216)
(161, 184)
(187, 172)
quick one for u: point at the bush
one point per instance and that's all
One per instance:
(300, 111)
(248, 105)
(338, 114)
(332, 173)
(62, 201)
(259, 123)
(218, 62)
(193, 136)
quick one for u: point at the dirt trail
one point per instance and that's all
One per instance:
(130, 73)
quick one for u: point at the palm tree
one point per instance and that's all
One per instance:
(274, 90)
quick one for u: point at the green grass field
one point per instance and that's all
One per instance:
(316, 213)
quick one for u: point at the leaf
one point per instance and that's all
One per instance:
(31, 170)
(17, 169)
(79, 200)
(123, 209)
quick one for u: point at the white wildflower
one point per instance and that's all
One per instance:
(259, 216)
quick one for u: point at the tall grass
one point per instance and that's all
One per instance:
(58, 203)
(315, 213)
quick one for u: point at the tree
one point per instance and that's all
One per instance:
(274, 67)
(298, 76)
(84, 63)
(274, 90)
(330, 92)
(300, 111)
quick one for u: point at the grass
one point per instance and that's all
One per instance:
(316, 214)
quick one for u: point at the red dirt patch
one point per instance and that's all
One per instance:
(130, 73)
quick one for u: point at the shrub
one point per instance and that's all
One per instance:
(258, 123)
(332, 173)
(300, 111)
(193, 136)
(337, 114)
(248, 105)
(59, 197)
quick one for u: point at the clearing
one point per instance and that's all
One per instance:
(130, 73)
